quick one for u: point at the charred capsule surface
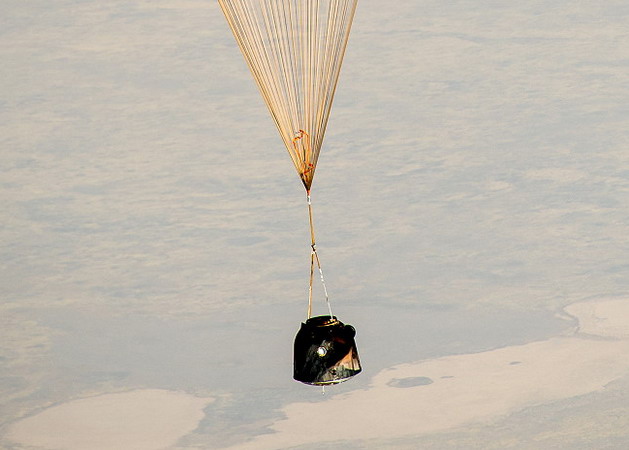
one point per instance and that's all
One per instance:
(325, 352)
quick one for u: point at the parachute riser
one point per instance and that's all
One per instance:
(314, 257)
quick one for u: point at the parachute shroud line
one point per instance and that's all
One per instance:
(294, 49)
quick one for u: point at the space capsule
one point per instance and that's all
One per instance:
(325, 352)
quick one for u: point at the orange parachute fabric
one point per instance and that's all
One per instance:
(294, 49)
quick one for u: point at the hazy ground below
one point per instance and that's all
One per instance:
(473, 183)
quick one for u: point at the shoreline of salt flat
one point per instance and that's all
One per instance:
(142, 419)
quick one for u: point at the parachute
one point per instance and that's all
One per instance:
(295, 49)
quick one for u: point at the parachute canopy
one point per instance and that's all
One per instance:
(294, 49)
